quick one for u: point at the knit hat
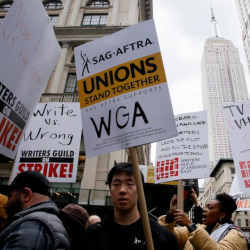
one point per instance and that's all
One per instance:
(77, 213)
(36, 181)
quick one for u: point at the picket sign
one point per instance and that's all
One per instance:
(141, 200)
(122, 76)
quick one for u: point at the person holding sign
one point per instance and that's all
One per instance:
(123, 230)
(218, 231)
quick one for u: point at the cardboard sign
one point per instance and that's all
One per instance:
(29, 51)
(123, 93)
(51, 142)
(184, 156)
(237, 116)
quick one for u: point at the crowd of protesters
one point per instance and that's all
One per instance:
(29, 219)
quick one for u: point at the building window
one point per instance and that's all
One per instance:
(247, 223)
(52, 5)
(53, 19)
(5, 6)
(98, 4)
(94, 19)
(71, 83)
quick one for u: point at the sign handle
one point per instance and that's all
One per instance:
(180, 195)
(141, 199)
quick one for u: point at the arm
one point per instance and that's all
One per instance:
(201, 240)
(181, 233)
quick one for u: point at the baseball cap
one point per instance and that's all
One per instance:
(36, 181)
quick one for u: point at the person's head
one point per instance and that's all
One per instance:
(28, 188)
(75, 221)
(76, 214)
(94, 219)
(219, 210)
(122, 187)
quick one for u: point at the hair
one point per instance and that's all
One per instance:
(122, 167)
(227, 205)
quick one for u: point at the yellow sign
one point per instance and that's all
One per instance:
(137, 74)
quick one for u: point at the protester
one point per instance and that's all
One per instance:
(33, 216)
(218, 231)
(93, 219)
(75, 219)
(3, 214)
(123, 229)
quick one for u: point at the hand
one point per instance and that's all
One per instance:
(173, 203)
(181, 218)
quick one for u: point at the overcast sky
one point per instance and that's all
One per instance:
(182, 28)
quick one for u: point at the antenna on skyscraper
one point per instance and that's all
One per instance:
(213, 20)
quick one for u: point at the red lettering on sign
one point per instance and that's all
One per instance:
(9, 134)
(53, 170)
(63, 170)
(167, 168)
(245, 172)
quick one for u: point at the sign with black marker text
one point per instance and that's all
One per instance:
(51, 142)
(237, 117)
(186, 155)
(123, 90)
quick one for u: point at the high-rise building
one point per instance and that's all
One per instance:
(243, 7)
(223, 81)
(77, 22)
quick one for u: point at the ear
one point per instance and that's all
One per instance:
(26, 195)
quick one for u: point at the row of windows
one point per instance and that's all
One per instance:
(57, 4)
(94, 19)
(88, 19)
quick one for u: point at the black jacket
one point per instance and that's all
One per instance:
(108, 235)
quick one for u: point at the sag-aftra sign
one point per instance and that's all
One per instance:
(123, 91)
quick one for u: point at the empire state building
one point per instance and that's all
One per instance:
(223, 81)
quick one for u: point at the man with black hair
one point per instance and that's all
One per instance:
(123, 230)
(33, 221)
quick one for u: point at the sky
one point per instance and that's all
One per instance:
(183, 27)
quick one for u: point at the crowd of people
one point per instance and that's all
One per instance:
(29, 219)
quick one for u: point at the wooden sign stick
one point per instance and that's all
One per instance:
(180, 195)
(141, 200)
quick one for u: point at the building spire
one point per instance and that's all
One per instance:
(213, 21)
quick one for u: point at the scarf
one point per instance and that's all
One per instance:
(220, 232)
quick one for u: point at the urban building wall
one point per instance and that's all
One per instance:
(243, 8)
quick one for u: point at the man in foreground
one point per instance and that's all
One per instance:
(33, 217)
(123, 230)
